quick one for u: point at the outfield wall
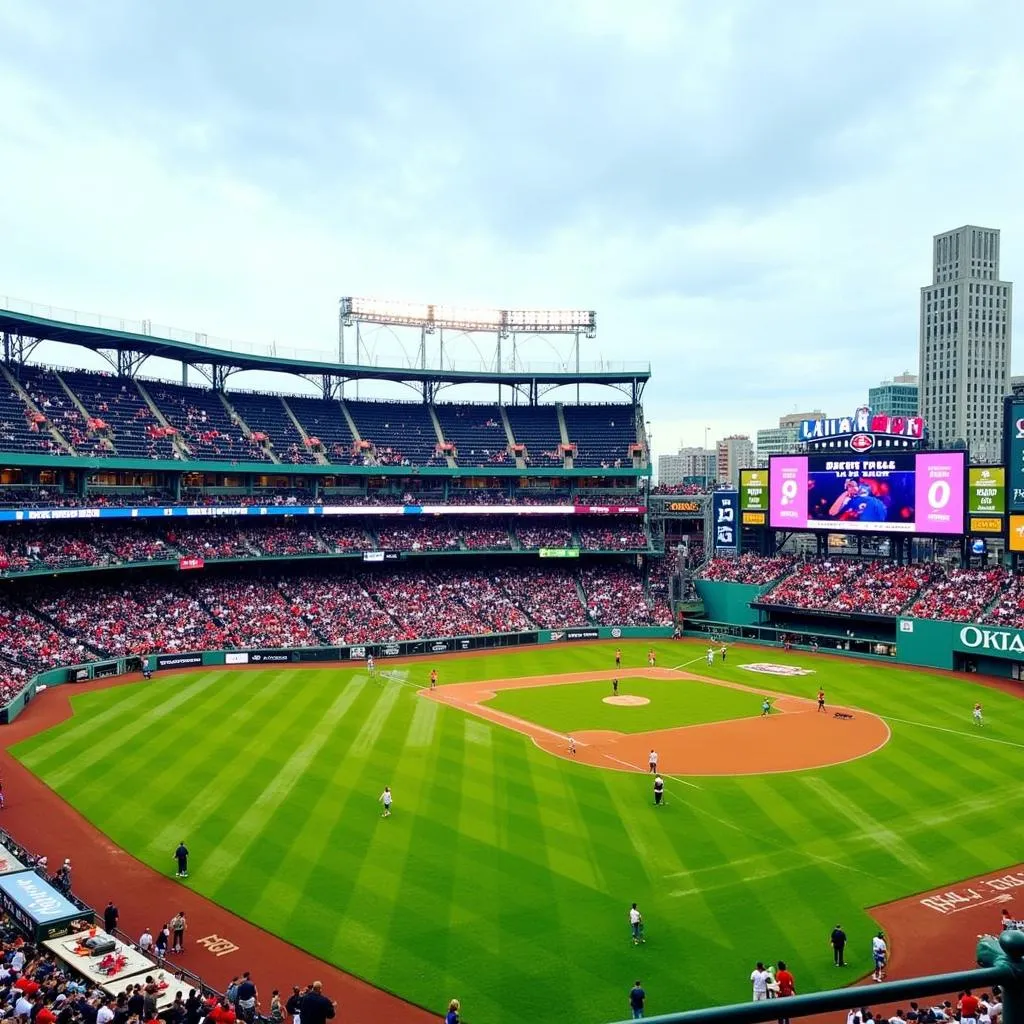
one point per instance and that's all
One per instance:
(730, 602)
(354, 652)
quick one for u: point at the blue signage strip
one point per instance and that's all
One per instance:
(37, 906)
(35, 515)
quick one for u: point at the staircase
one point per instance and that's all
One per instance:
(452, 464)
(348, 419)
(106, 435)
(236, 418)
(583, 596)
(520, 461)
(563, 431)
(320, 456)
(180, 448)
(32, 407)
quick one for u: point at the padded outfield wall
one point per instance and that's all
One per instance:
(953, 646)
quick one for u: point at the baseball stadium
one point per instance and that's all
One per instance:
(439, 696)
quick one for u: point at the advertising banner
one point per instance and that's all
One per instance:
(178, 660)
(940, 492)
(685, 506)
(236, 658)
(220, 511)
(725, 515)
(191, 563)
(897, 492)
(37, 906)
(985, 524)
(1015, 534)
(357, 653)
(559, 552)
(990, 640)
(753, 490)
(787, 485)
(986, 490)
(269, 657)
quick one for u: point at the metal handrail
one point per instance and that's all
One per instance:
(1009, 974)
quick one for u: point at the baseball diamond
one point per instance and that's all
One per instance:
(504, 871)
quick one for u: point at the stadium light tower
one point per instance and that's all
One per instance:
(433, 319)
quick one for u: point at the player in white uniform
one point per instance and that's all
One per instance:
(385, 799)
(369, 664)
(880, 953)
(711, 655)
(977, 715)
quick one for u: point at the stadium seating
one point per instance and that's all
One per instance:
(202, 421)
(536, 427)
(117, 402)
(402, 432)
(266, 414)
(602, 434)
(961, 595)
(477, 433)
(852, 586)
(750, 569)
(324, 420)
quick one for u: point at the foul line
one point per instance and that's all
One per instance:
(637, 768)
(976, 734)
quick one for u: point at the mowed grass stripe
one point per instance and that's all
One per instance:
(85, 759)
(252, 726)
(167, 755)
(278, 788)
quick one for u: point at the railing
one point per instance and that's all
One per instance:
(146, 328)
(1004, 967)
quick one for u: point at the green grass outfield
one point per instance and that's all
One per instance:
(505, 874)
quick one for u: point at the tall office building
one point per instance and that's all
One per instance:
(896, 397)
(734, 453)
(783, 439)
(965, 342)
(688, 466)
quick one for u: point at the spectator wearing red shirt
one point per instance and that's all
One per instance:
(786, 984)
(968, 1008)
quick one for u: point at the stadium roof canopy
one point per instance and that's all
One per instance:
(126, 350)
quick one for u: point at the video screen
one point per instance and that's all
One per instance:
(901, 492)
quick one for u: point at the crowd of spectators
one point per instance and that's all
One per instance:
(545, 534)
(961, 595)
(1008, 610)
(683, 488)
(618, 535)
(752, 569)
(615, 596)
(850, 585)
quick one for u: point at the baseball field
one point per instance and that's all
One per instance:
(505, 872)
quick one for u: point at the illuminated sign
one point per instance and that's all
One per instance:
(754, 490)
(986, 490)
(559, 552)
(980, 524)
(684, 506)
(860, 426)
(899, 492)
(723, 512)
(754, 518)
(1015, 535)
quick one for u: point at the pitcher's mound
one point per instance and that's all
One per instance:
(626, 701)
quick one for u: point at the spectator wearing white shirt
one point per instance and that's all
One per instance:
(760, 979)
(22, 1007)
(105, 1014)
(146, 941)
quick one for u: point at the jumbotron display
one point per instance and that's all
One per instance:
(898, 492)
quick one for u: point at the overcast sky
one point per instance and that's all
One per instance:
(745, 192)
